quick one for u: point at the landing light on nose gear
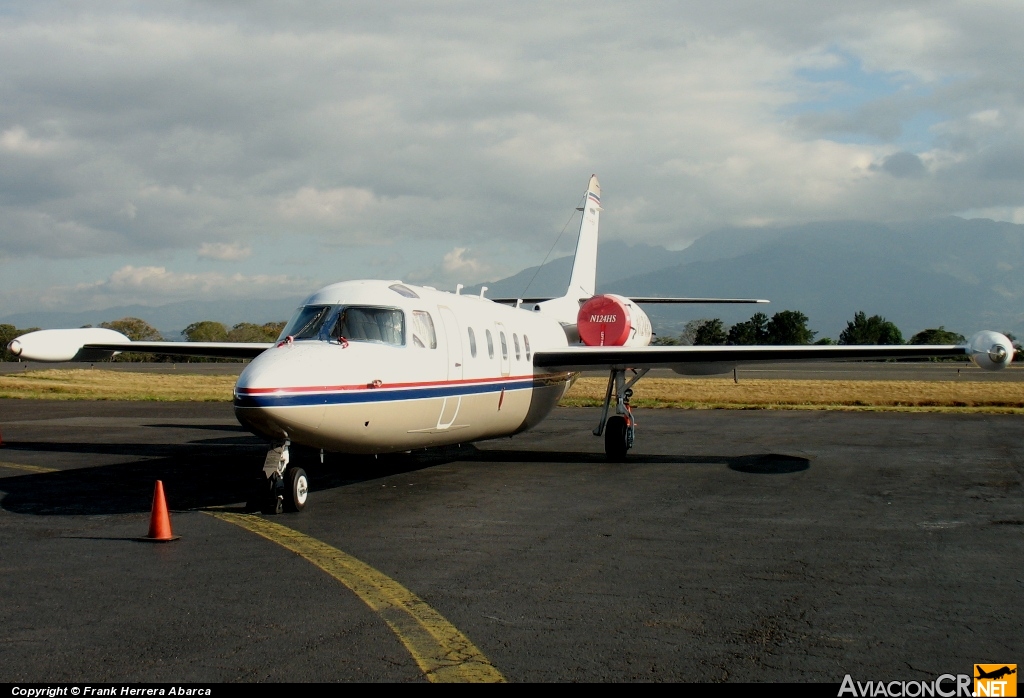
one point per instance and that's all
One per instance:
(619, 429)
(279, 486)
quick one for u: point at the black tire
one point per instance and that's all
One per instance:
(259, 493)
(616, 438)
(296, 489)
(272, 502)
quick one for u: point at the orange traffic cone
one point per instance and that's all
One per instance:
(159, 519)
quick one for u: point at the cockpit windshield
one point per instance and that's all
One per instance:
(353, 322)
(361, 323)
(306, 322)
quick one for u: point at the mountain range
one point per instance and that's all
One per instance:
(961, 274)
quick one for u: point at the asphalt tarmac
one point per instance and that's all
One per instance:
(732, 546)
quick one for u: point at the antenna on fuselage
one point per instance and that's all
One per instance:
(483, 289)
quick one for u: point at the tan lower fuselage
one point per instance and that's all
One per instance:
(396, 420)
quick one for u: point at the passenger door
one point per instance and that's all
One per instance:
(453, 345)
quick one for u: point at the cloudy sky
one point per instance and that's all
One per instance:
(156, 152)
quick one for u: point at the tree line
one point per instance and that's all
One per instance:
(783, 328)
(790, 327)
(139, 330)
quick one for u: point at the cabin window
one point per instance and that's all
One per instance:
(423, 335)
(307, 322)
(515, 343)
(526, 344)
(490, 344)
(368, 324)
(472, 343)
(504, 346)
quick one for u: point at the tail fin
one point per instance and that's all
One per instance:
(583, 281)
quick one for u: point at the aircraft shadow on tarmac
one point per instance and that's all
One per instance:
(758, 464)
(210, 427)
(219, 472)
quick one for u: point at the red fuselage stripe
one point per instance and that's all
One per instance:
(395, 386)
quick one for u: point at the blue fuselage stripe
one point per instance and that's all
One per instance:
(345, 397)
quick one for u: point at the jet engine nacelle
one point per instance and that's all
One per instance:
(990, 350)
(613, 321)
(65, 345)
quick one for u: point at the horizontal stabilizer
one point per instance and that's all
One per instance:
(636, 299)
(524, 301)
(652, 299)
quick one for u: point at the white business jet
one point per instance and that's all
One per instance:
(371, 367)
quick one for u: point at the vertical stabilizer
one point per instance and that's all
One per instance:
(583, 280)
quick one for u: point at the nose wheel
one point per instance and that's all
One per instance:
(296, 487)
(279, 487)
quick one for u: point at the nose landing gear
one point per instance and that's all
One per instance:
(619, 429)
(279, 486)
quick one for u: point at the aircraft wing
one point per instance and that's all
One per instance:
(98, 344)
(214, 350)
(721, 359)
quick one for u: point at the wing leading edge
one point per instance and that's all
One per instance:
(212, 350)
(683, 359)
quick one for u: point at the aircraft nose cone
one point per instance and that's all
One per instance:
(14, 347)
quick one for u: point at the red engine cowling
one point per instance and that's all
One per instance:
(613, 321)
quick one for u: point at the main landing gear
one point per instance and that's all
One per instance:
(279, 486)
(619, 429)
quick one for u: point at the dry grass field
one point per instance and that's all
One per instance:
(91, 384)
(684, 393)
(723, 393)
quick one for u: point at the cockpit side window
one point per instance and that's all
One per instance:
(423, 335)
(369, 324)
(306, 322)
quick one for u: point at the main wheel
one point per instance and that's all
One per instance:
(616, 438)
(261, 493)
(273, 501)
(296, 489)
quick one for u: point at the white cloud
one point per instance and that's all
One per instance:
(134, 132)
(329, 204)
(1009, 214)
(224, 251)
(152, 285)
(456, 262)
(457, 266)
(17, 140)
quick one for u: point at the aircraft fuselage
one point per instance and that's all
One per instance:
(419, 368)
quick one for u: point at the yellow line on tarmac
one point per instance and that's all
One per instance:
(27, 468)
(443, 653)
